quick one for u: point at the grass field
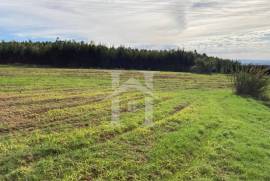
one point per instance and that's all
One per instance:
(55, 125)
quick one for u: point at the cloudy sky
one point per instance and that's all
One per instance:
(236, 29)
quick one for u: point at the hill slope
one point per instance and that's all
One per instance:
(55, 124)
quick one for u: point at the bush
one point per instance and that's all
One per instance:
(251, 82)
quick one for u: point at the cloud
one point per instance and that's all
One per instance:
(231, 29)
(127, 21)
(227, 28)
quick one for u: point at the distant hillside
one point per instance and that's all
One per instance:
(255, 62)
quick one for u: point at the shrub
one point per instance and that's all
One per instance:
(251, 82)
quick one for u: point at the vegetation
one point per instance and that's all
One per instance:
(55, 125)
(251, 81)
(80, 54)
(205, 65)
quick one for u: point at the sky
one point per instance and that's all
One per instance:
(234, 29)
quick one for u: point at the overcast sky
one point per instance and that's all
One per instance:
(236, 29)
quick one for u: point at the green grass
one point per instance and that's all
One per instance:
(55, 125)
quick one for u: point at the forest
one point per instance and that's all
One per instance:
(90, 55)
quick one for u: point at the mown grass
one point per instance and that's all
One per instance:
(55, 125)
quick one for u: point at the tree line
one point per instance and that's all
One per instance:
(89, 55)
